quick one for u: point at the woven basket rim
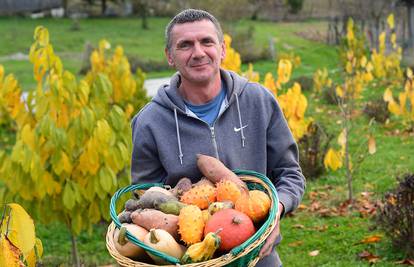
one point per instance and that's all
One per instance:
(220, 261)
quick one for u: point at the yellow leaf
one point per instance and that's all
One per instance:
(394, 108)
(269, 83)
(1, 73)
(333, 159)
(28, 136)
(363, 61)
(409, 73)
(342, 138)
(39, 247)
(9, 254)
(348, 67)
(388, 95)
(390, 21)
(372, 148)
(21, 229)
(284, 71)
(339, 91)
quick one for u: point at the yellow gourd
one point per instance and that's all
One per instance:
(162, 241)
(203, 250)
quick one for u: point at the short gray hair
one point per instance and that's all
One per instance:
(191, 15)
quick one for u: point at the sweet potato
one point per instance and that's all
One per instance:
(183, 185)
(138, 193)
(150, 218)
(214, 170)
(150, 199)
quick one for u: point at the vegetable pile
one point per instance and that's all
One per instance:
(192, 222)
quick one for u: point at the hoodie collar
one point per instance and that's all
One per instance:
(169, 96)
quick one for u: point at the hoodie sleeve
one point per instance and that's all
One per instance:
(145, 164)
(283, 161)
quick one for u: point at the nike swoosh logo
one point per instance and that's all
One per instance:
(238, 129)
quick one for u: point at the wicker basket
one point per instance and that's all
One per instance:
(244, 255)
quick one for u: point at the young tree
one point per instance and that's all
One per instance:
(73, 147)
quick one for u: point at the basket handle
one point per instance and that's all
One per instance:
(133, 239)
(272, 213)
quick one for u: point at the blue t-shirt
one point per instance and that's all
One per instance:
(208, 112)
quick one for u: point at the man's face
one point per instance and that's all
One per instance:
(196, 51)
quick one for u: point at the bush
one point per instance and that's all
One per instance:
(378, 110)
(306, 83)
(330, 96)
(243, 43)
(396, 215)
(312, 150)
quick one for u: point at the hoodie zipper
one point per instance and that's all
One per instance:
(213, 137)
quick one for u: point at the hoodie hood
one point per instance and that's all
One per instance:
(169, 97)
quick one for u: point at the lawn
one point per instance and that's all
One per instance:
(335, 236)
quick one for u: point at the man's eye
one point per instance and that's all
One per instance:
(183, 45)
(208, 42)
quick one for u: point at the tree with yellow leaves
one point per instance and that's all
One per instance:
(357, 72)
(73, 145)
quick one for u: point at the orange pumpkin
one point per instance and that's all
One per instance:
(256, 205)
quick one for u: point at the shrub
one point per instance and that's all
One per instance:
(243, 43)
(330, 96)
(396, 215)
(378, 110)
(312, 150)
(306, 83)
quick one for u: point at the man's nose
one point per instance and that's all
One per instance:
(198, 50)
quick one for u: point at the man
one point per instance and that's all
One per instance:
(215, 112)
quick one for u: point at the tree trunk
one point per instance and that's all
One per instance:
(143, 12)
(75, 254)
(410, 15)
(103, 7)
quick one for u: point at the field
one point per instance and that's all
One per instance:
(317, 225)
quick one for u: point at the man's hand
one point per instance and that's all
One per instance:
(271, 239)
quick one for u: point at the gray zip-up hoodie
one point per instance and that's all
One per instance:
(249, 133)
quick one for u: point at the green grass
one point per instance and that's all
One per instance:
(335, 237)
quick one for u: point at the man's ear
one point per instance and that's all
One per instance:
(169, 57)
(223, 50)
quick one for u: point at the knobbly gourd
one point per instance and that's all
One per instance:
(150, 218)
(162, 241)
(236, 227)
(124, 246)
(202, 251)
(200, 195)
(256, 205)
(228, 191)
(191, 224)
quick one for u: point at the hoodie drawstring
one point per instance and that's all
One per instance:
(180, 155)
(243, 138)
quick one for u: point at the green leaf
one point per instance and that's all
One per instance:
(105, 179)
(68, 197)
(103, 87)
